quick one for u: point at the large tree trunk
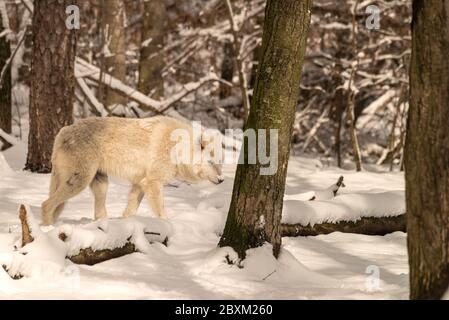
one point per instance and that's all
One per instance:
(113, 21)
(255, 213)
(53, 81)
(5, 87)
(151, 59)
(427, 152)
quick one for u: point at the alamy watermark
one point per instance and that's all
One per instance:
(373, 20)
(73, 20)
(372, 283)
(200, 146)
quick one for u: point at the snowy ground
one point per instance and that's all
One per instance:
(336, 266)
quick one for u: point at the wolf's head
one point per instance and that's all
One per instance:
(199, 157)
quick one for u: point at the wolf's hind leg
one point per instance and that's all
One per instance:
(58, 211)
(67, 188)
(47, 211)
(134, 199)
(99, 187)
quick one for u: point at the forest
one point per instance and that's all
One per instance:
(224, 149)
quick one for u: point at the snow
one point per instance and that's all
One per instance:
(4, 166)
(335, 266)
(345, 207)
(5, 20)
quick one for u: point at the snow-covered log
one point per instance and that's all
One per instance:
(89, 244)
(325, 211)
(375, 226)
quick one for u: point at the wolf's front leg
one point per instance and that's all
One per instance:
(134, 199)
(154, 192)
(99, 187)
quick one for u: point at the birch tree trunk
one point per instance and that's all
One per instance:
(254, 216)
(151, 60)
(52, 81)
(427, 152)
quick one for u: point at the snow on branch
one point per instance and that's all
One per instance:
(97, 107)
(85, 69)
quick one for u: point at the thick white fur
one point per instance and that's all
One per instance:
(138, 150)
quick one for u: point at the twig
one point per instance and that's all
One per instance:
(26, 231)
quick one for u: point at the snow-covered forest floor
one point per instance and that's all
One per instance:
(336, 266)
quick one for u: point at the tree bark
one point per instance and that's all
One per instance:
(113, 26)
(5, 88)
(151, 59)
(254, 216)
(427, 151)
(53, 81)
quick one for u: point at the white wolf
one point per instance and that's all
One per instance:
(138, 150)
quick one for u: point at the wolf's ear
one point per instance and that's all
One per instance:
(200, 142)
(204, 139)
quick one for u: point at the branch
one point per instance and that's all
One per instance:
(188, 89)
(27, 238)
(96, 105)
(85, 69)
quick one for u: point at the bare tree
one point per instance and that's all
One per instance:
(52, 81)
(256, 208)
(427, 152)
(352, 93)
(151, 62)
(239, 60)
(5, 69)
(114, 46)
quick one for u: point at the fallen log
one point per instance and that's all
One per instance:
(92, 257)
(374, 226)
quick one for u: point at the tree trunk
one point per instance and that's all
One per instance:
(151, 60)
(5, 87)
(53, 81)
(227, 69)
(254, 216)
(114, 36)
(240, 63)
(427, 152)
(351, 92)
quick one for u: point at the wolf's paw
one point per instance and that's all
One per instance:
(163, 216)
